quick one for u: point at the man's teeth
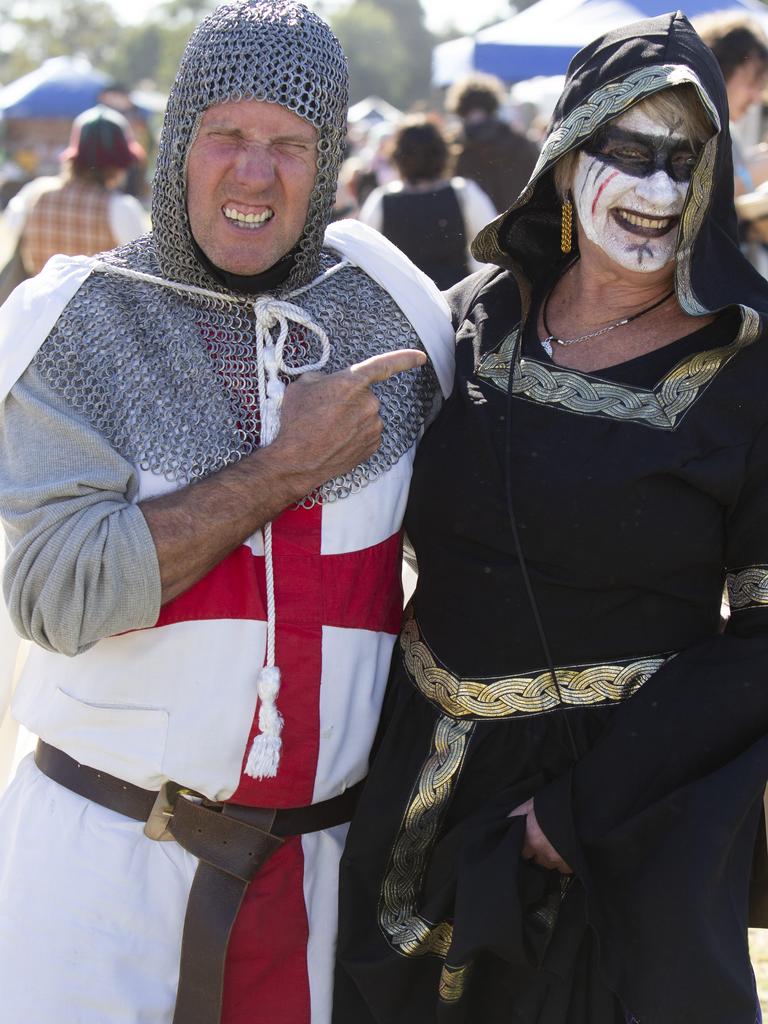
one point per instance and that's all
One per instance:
(249, 220)
(653, 223)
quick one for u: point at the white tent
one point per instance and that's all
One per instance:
(542, 39)
(372, 110)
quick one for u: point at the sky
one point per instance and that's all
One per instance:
(467, 16)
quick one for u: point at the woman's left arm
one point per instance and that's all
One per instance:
(659, 818)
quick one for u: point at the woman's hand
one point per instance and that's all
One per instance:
(536, 846)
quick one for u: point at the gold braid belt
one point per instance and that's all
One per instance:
(532, 693)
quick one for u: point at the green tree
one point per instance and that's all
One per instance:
(152, 50)
(419, 42)
(38, 29)
(86, 28)
(375, 53)
(186, 11)
(140, 55)
(388, 47)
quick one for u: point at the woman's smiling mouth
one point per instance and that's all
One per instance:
(643, 224)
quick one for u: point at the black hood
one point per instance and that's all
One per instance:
(604, 79)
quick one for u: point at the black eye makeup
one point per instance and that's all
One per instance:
(642, 155)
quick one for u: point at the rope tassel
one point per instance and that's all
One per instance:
(264, 756)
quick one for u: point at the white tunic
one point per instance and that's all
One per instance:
(174, 697)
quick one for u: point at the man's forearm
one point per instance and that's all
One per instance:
(194, 528)
(329, 425)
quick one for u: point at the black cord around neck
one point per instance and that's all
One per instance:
(602, 330)
(521, 558)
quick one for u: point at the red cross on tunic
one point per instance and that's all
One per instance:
(266, 979)
(358, 590)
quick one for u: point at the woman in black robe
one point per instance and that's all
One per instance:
(564, 805)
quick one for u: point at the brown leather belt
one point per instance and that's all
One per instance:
(231, 841)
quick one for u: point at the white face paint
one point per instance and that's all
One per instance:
(629, 189)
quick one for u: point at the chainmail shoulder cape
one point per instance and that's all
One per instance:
(169, 376)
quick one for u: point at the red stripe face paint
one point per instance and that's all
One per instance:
(633, 217)
(600, 191)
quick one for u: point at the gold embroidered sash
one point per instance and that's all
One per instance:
(528, 693)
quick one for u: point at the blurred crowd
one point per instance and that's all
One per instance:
(428, 179)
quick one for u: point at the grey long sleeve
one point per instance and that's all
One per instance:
(82, 564)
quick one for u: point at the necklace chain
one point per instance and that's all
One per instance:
(547, 343)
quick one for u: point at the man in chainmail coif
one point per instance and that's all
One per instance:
(206, 440)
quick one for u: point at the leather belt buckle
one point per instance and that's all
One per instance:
(159, 820)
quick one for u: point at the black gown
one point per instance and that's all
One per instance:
(638, 493)
(624, 534)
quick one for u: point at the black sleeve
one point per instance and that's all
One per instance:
(747, 548)
(462, 296)
(659, 820)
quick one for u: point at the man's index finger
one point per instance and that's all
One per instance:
(386, 364)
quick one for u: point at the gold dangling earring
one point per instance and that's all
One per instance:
(566, 225)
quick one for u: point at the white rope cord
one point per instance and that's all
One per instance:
(208, 293)
(321, 278)
(264, 756)
(177, 286)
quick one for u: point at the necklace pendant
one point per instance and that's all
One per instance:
(547, 345)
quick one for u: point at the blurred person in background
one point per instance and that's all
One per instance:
(356, 182)
(432, 218)
(487, 149)
(118, 96)
(376, 153)
(81, 211)
(741, 50)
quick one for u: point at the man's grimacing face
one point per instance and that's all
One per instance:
(629, 188)
(250, 174)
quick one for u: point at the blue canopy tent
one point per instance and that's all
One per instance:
(36, 114)
(61, 87)
(542, 39)
(37, 110)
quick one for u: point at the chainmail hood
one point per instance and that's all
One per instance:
(276, 51)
